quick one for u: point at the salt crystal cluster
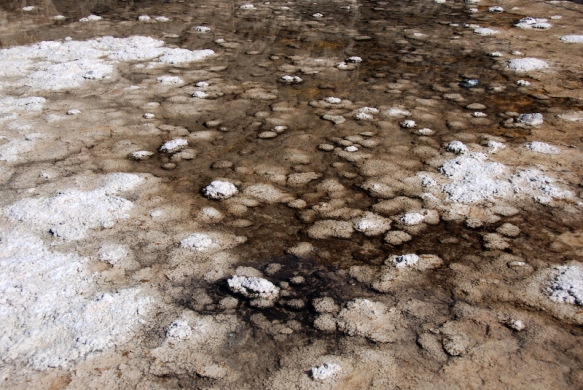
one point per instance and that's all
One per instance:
(220, 189)
(567, 285)
(325, 372)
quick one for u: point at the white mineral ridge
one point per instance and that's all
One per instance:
(531, 119)
(71, 213)
(473, 179)
(406, 260)
(542, 147)
(51, 311)
(253, 287)
(527, 64)
(572, 38)
(219, 189)
(457, 147)
(55, 65)
(325, 372)
(567, 285)
(174, 145)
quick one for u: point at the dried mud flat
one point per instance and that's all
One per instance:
(291, 195)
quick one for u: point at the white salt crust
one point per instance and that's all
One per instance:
(325, 372)
(527, 64)
(72, 213)
(52, 312)
(567, 285)
(56, 65)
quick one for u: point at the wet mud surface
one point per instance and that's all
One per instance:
(371, 215)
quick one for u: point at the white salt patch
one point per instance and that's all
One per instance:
(174, 145)
(90, 18)
(59, 17)
(496, 9)
(332, 100)
(494, 146)
(425, 131)
(523, 83)
(181, 56)
(290, 79)
(162, 19)
(71, 213)
(362, 116)
(198, 242)
(372, 224)
(575, 116)
(408, 124)
(542, 147)
(572, 38)
(411, 219)
(200, 95)
(354, 60)
(149, 115)
(202, 84)
(170, 80)
(397, 112)
(534, 183)
(114, 254)
(426, 181)
(527, 64)
(406, 260)
(474, 179)
(202, 29)
(179, 330)
(253, 287)
(325, 372)
(457, 147)
(9, 104)
(485, 31)
(53, 65)
(351, 149)
(479, 114)
(73, 112)
(144, 18)
(141, 155)
(247, 6)
(219, 189)
(52, 313)
(317, 15)
(28, 8)
(567, 286)
(531, 119)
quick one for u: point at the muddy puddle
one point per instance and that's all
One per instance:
(291, 195)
